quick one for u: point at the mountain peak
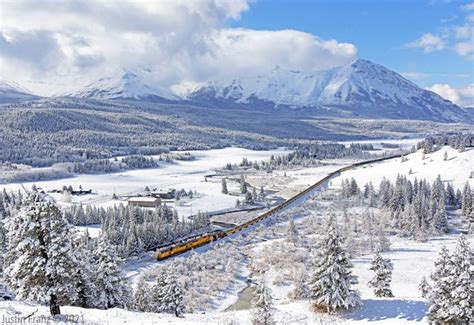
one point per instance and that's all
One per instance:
(360, 88)
(126, 84)
(11, 92)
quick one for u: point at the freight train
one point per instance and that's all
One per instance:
(207, 238)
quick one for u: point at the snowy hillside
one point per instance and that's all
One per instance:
(11, 92)
(455, 170)
(132, 84)
(360, 88)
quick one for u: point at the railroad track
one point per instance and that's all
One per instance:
(182, 247)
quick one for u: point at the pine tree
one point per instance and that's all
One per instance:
(224, 187)
(440, 295)
(292, 233)
(40, 259)
(262, 304)
(450, 195)
(110, 282)
(466, 200)
(142, 296)
(471, 223)
(248, 198)
(330, 285)
(156, 294)
(243, 185)
(383, 276)
(440, 219)
(171, 295)
(424, 288)
(84, 274)
(462, 300)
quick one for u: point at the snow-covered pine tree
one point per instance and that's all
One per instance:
(440, 219)
(383, 276)
(292, 233)
(330, 285)
(262, 304)
(142, 296)
(156, 294)
(224, 187)
(243, 185)
(458, 198)
(40, 259)
(424, 288)
(171, 295)
(254, 194)
(84, 275)
(440, 295)
(466, 200)
(471, 223)
(462, 299)
(248, 198)
(450, 195)
(110, 282)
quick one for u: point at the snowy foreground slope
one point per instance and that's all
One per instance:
(412, 260)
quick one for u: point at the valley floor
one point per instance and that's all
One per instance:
(266, 245)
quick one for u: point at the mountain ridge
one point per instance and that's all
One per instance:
(360, 88)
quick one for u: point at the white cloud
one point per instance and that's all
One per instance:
(428, 42)
(469, 6)
(463, 97)
(183, 41)
(465, 48)
(458, 38)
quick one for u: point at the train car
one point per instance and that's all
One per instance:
(184, 247)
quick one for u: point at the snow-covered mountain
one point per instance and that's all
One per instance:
(358, 89)
(131, 84)
(361, 88)
(11, 92)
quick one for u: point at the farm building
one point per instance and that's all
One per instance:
(145, 202)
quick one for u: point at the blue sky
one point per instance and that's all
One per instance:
(380, 30)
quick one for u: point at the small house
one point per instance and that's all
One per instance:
(144, 202)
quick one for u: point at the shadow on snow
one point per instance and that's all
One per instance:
(381, 309)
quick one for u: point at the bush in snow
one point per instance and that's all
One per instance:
(383, 276)
(292, 233)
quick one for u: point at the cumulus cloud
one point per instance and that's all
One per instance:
(463, 97)
(428, 42)
(181, 41)
(458, 38)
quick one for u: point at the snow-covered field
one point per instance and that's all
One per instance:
(180, 174)
(411, 260)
